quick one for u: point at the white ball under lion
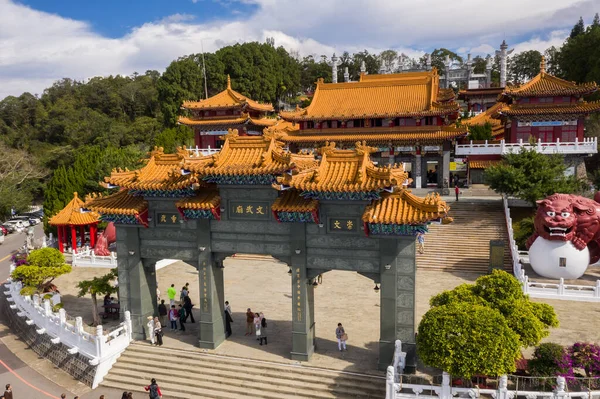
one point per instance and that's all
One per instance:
(558, 259)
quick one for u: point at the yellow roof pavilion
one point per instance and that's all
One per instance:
(74, 214)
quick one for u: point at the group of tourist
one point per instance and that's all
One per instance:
(152, 389)
(256, 324)
(174, 314)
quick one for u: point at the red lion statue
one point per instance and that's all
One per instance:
(568, 217)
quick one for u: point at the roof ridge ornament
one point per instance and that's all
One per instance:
(543, 64)
(228, 82)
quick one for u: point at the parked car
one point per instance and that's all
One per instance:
(23, 219)
(9, 227)
(34, 221)
(4, 230)
(17, 225)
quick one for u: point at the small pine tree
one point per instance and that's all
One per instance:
(596, 21)
(578, 29)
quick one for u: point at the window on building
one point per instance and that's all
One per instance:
(324, 124)
(335, 124)
(569, 133)
(523, 101)
(523, 133)
(310, 125)
(399, 122)
(566, 99)
(359, 123)
(377, 122)
(410, 122)
(546, 99)
(546, 134)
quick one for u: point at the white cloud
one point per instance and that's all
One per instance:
(37, 48)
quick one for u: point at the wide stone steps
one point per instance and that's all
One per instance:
(464, 244)
(185, 374)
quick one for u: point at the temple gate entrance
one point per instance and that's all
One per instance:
(330, 214)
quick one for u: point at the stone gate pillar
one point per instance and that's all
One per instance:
(210, 272)
(303, 298)
(137, 280)
(397, 296)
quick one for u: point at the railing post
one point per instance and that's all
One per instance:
(99, 341)
(446, 392)
(486, 144)
(561, 286)
(471, 145)
(502, 147)
(502, 387)
(390, 389)
(539, 145)
(576, 143)
(62, 318)
(597, 289)
(128, 325)
(559, 392)
(526, 285)
(79, 330)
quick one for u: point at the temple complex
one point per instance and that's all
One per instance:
(319, 210)
(546, 110)
(406, 117)
(210, 118)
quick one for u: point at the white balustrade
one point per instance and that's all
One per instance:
(87, 258)
(199, 152)
(558, 290)
(587, 146)
(100, 348)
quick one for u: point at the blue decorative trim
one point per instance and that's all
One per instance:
(119, 219)
(396, 229)
(198, 214)
(343, 196)
(180, 193)
(241, 179)
(304, 217)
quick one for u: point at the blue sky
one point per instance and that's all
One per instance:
(115, 18)
(42, 41)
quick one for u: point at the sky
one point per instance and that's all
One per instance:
(42, 41)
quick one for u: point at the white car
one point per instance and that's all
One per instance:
(17, 224)
(22, 219)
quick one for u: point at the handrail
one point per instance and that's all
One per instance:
(589, 145)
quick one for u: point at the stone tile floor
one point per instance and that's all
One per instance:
(346, 297)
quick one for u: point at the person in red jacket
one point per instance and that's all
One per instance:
(153, 390)
(456, 191)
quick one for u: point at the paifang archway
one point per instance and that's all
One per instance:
(292, 213)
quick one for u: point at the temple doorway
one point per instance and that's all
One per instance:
(432, 173)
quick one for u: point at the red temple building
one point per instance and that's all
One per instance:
(212, 117)
(406, 117)
(546, 114)
(481, 99)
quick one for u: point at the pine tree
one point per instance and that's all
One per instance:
(596, 21)
(578, 29)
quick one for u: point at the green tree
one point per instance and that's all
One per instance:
(524, 66)
(438, 59)
(552, 55)
(578, 29)
(479, 64)
(388, 59)
(579, 57)
(596, 21)
(531, 176)
(454, 328)
(43, 266)
(311, 71)
(465, 339)
(480, 132)
(170, 139)
(97, 286)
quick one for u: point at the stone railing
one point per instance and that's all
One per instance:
(85, 257)
(101, 348)
(198, 152)
(396, 389)
(587, 146)
(558, 290)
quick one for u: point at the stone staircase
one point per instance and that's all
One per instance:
(193, 374)
(464, 244)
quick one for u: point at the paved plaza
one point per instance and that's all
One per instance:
(346, 297)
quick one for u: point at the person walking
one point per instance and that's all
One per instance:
(124, 396)
(163, 312)
(421, 242)
(187, 304)
(8, 392)
(456, 191)
(158, 333)
(182, 317)
(171, 292)
(173, 316)
(150, 326)
(183, 294)
(153, 390)
(228, 319)
(249, 322)
(341, 336)
(263, 329)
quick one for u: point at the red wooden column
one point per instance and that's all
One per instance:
(82, 234)
(73, 239)
(93, 232)
(61, 237)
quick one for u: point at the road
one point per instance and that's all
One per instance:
(26, 382)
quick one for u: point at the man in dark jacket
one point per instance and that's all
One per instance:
(182, 317)
(162, 312)
(187, 304)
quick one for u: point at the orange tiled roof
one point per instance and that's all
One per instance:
(206, 199)
(120, 203)
(580, 108)
(378, 135)
(491, 116)
(545, 84)
(446, 95)
(224, 120)
(291, 201)
(161, 172)
(405, 208)
(392, 95)
(483, 164)
(344, 171)
(226, 99)
(248, 155)
(73, 214)
(484, 91)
